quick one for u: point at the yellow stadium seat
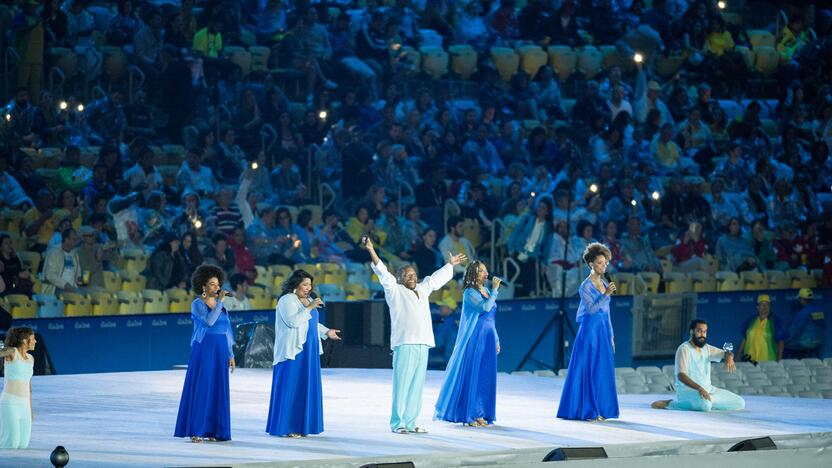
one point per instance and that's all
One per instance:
(112, 281)
(317, 213)
(104, 303)
(411, 56)
(260, 298)
(131, 265)
(155, 301)
(463, 60)
(264, 275)
(677, 282)
(357, 292)
(729, 281)
(532, 58)
(612, 58)
(129, 303)
(240, 57)
(76, 305)
(179, 300)
(754, 280)
(589, 62)
(651, 279)
(135, 284)
(434, 61)
(310, 268)
(259, 58)
(778, 280)
(703, 281)
(623, 283)
(766, 60)
(65, 60)
(760, 38)
(115, 62)
(281, 270)
(506, 60)
(339, 278)
(747, 56)
(563, 61)
(666, 67)
(21, 307)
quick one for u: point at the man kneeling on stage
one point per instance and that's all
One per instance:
(694, 391)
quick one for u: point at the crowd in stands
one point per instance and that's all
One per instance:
(250, 133)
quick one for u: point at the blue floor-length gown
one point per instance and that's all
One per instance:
(470, 388)
(589, 390)
(297, 403)
(205, 406)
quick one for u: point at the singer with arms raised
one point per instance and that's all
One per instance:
(296, 407)
(469, 394)
(411, 333)
(589, 391)
(205, 407)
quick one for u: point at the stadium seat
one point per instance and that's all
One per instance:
(766, 60)
(677, 283)
(260, 298)
(463, 60)
(703, 282)
(155, 301)
(64, 60)
(563, 61)
(778, 279)
(180, 300)
(103, 303)
(760, 38)
(590, 62)
(532, 58)
(21, 307)
(115, 62)
(666, 67)
(412, 56)
(49, 306)
(259, 58)
(317, 213)
(130, 303)
(747, 56)
(311, 268)
(240, 57)
(112, 281)
(651, 280)
(136, 284)
(729, 281)
(612, 58)
(357, 292)
(434, 61)
(506, 60)
(623, 283)
(799, 278)
(30, 260)
(754, 280)
(76, 305)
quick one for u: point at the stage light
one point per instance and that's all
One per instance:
(63, 105)
(593, 188)
(638, 58)
(80, 108)
(322, 115)
(721, 5)
(59, 457)
(656, 195)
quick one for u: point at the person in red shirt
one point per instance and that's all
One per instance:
(690, 250)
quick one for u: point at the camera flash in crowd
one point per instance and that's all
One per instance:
(633, 202)
(254, 166)
(8, 117)
(80, 108)
(655, 195)
(638, 58)
(534, 194)
(593, 188)
(63, 105)
(197, 223)
(322, 115)
(721, 5)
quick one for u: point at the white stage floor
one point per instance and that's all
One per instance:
(127, 419)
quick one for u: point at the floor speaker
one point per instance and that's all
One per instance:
(575, 453)
(762, 443)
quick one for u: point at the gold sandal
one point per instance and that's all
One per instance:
(196, 440)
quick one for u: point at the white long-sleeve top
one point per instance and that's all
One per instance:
(410, 321)
(290, 328)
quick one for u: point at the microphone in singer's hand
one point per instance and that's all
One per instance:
(313, 296)
(609, 280)
(228, 293)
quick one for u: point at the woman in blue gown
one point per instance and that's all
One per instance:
(589, 390)
(205, 406)
(470, 389)
(296, 407)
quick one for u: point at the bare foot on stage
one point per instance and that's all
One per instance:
(660, 404)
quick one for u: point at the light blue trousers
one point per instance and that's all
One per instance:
(410, 363)
(15, 422)
(721, 400)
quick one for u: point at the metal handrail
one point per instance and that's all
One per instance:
(133, 70)
(98, 92)
(328, 188)
(494, 224)
(450, 204)
(86, 68)
(265, 131)
(510, 261)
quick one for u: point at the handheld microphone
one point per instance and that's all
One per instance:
(609, 279)
(228, 293)
(314, 296)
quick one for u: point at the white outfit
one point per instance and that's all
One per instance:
(290, 328)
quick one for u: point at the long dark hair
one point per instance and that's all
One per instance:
(472, 274)
(294, 280)
(17, 335)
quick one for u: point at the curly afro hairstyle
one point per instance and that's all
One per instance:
(595, 250)
(203, 273)
(294, 280)
(17, 335)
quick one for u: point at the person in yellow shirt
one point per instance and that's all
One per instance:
(718, 40)
(792, 38)
(208, 40)
(664, 150)
(39, 221)
(763, 334)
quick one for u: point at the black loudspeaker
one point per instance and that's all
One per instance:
(762, 443)
(389, 465)
(575, 453)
